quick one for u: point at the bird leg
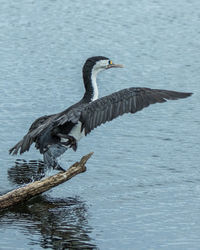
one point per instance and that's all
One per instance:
(58, 167)
(71, 141)
(50, 157)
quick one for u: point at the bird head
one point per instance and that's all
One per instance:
(91, 68)
(99, 63)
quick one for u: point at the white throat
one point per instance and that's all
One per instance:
(94, 84)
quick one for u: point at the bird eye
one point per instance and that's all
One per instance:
(110, 62)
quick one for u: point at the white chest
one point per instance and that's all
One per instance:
(76, 131)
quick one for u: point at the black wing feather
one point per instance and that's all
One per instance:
(125, 101)
(43, 127)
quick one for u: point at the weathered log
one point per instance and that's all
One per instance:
(24, 193)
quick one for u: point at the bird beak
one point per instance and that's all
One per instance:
(115, 66)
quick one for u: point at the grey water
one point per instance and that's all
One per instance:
(141, 189)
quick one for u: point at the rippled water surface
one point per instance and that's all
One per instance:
(142, 185)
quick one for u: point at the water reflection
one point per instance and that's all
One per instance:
(24, 172)
(56, 223)
(60, 223)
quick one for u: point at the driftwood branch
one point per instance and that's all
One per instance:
(24, 193)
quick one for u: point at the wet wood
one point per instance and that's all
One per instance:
(24, 193)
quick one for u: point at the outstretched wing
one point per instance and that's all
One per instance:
(128, 100)
(42, 129)
(35, 130)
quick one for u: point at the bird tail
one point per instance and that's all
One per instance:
(14, 150)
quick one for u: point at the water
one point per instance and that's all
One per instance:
(142, 185)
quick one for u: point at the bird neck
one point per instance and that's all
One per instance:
(91, 89)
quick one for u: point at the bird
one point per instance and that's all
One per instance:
(54, 134)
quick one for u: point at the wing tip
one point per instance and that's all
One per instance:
(189, 94)
(14, 150)
(185, 94)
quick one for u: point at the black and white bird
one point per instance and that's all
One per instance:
(54, 134)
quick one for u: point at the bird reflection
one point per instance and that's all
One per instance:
(61, 223)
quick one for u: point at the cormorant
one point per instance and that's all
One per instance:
(54, 134)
